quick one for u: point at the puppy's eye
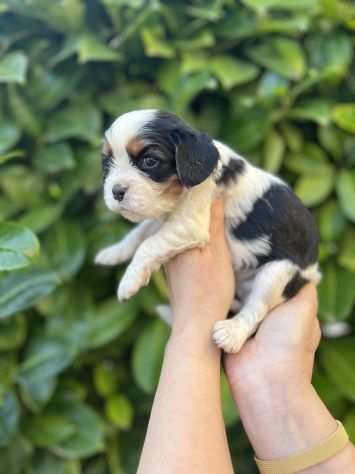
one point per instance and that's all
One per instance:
(150, 162)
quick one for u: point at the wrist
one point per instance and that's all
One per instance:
(282, 417)
(192, 339)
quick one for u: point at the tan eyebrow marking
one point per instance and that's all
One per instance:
(174, 188)
(135, 146)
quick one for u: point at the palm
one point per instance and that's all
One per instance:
(290, 332)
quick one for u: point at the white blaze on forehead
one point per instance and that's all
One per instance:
(126, 127)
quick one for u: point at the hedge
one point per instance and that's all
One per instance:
(272, 78)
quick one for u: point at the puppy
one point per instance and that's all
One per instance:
(163, 174)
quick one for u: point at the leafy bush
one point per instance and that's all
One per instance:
(273, 78)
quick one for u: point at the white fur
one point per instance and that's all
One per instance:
(265, 293)
(175, 225)
(245, 252)
(143, 197)
(125, 249)
(185, 228)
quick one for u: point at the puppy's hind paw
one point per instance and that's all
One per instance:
(230, 334)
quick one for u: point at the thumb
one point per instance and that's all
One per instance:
(217, 219)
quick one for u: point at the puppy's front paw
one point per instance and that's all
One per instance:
(113, 255)
(230, 334)
(133, 280)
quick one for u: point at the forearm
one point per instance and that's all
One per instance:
(186, 431)
(282, 419)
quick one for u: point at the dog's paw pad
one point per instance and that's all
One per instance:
(230, 335)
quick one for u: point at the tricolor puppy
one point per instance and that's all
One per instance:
(160, 172)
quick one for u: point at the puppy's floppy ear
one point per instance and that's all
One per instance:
(196, 157)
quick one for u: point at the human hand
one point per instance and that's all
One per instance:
(284, 346)
(201, 281)
(270, 379)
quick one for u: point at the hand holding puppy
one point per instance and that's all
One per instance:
(201, 281)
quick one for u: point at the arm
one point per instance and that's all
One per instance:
(186, 431)
(271, 384)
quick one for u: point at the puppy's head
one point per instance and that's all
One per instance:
(150, 159)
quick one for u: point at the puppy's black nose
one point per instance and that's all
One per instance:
(119, 192)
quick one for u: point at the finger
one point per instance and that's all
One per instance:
(217, 219)
(303, 305)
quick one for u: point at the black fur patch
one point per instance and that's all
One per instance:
(106, 164)
(231, 171)
(166, 167)
(294, 285)
(288, 224)
(187, 153)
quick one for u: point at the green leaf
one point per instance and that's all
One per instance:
(345, 186)
(11, 260)
(55, 158)
(200, 40)
(338, 360)
(231, 71)
(349, 424)
(336, 295)
(187, 87)
(89, 48)
(9, 418)
(24, 112)
(88, 438)
(315, 110)
(119, 411)
(38, 219)
(331, 141)
(9, 135)
(346, 256)
(18, 239)
(313, 190)
(105, 378)
(247, 129)
(12, 332)
(13, 67)
(44, 462)
(155, 44)
(20, 290)
(230, 413)
(48, 429)
(16, 456)
(282, 55)
(263, 5)
(111, 319)
(45, 357)
(293, 137)
(344, 116)
(331, 221)
(273, 85)
(65, 247)
(37, 394)
(331, 54)
(148, 355)
(75, 121)
(273, 152)
(325, 388)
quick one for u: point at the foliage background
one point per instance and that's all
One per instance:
(272, 78)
